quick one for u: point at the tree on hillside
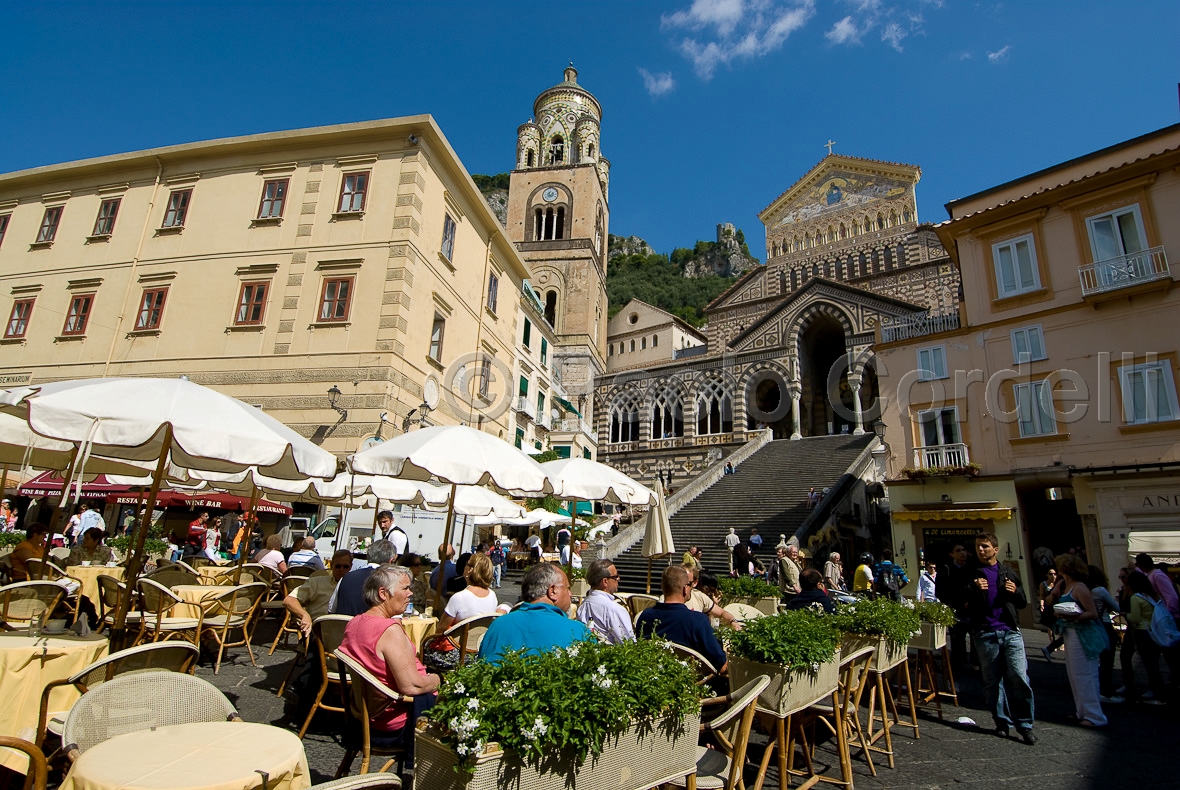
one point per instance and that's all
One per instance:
(658, 281)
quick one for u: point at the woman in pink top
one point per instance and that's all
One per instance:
(378, 642)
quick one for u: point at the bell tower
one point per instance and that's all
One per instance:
(558, 216)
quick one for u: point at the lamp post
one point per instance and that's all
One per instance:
(422, 411)
(333, 398)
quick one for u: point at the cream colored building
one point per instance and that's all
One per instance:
(641, 334)
(273, 267)
(1060, 386)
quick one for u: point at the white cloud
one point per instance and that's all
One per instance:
(893, 33)
(843, 32)
(965, 55)
(657, 84)
(999, 55)
(726, 30)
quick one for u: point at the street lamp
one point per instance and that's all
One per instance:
(422, 411)
(333, 397)
(879, 429)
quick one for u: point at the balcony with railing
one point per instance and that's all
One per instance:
(524, 406)
(913, 325)
(941, 455)
(1143, 270)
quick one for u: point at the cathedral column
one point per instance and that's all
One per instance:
(795, 390)
(854, 382)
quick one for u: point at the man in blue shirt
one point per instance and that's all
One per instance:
(675, 622)
(540, 624)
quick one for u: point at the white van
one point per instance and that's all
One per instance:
(424, 528)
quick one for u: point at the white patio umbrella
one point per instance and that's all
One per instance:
(657, 534)
(457, 455)
(166, 421)
(582, 480)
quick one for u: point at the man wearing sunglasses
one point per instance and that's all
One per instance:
(601, 611)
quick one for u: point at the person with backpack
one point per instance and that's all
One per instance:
(1161, 583)
(1080, 627)
(1143, 605)
(888, 579)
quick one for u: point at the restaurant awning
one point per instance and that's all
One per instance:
(50, 483)
(964, 514)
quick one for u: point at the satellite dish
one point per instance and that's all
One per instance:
(556, 414)
(430, 393)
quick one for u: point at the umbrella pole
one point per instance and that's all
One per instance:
(569, 571)
(442, 560)
(649, 575)
(56, 518)
(135, 558)
(250, 519)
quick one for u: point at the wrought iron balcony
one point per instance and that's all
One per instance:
(941, 455)
(916, 325)
(524, 406)
(1126, 271)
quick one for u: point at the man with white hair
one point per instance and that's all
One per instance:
(541, 623)
(834, 572)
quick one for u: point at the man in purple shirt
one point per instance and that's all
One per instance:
(993, 596)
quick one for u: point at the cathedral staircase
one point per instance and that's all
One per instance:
(768, 492)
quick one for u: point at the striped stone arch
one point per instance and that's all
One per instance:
(714, 402)
(669, 407)
(800, 323)
(760, 368)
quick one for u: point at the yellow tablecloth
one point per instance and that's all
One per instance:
(26, 665)
(207, 755)
(88, 575)
(418, 628)
(210, 571)
(194, 594)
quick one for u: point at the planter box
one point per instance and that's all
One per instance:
(885, 658)
(640, 758)
(789, 691)
(933, 637)
(767, 606)
(580, 588)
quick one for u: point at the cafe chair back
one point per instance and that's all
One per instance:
(300, 570)
(366, 697)
(21, 601)
(159, 622)
(638, 602)
(109, 590)
(468, 634)
(49, 572)
(172, 577)
(362, 782)
(729, 732)
(327, 633)
(229, 613)
(158, 657)
(141, 701)
(290, 625)
(705, 670)
(184, 566)
(38, 773)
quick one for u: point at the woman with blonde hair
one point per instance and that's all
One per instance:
(1084, 638)
(270, 556)
(477, 597)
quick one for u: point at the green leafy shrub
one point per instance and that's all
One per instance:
(935, 612)
(878, 617)
(747, 587)
(9, 539)
(571, 699)
(574, 573)
(797, 638)
(122, 544)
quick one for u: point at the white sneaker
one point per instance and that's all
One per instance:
(1154, 701)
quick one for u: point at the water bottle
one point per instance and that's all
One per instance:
(410, 608)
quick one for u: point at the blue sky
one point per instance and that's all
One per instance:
(711, 108)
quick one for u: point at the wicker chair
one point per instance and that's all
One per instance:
(21, 601)
(161, 657)
(231, 611)
(109, 591)
(743, 611)
(706, 672)
(638, 602)
(327, 633)
(469, 634)
(290, 624)
(132, 703)
(38, 773)
(157, 621)
(854, 679)
(366, 698)
(300, 570)
(173, 577)
(49, 572)
(730, 732)
(184, 566)
(362, 782)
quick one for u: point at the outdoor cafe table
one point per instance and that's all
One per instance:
(214, 755)
(194, 595)
(88, 575)
(26, 666)
(418, 628)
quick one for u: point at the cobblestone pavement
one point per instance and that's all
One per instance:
(1137, 749)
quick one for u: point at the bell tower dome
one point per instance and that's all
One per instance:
(558, 215)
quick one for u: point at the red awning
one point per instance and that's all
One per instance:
(50, 483)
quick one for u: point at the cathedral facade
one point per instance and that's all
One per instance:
(789, 345)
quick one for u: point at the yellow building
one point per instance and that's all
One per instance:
(1050, 416)
(358, 259)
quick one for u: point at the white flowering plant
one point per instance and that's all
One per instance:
(880, 616)
(801, 639)
(571, 700)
